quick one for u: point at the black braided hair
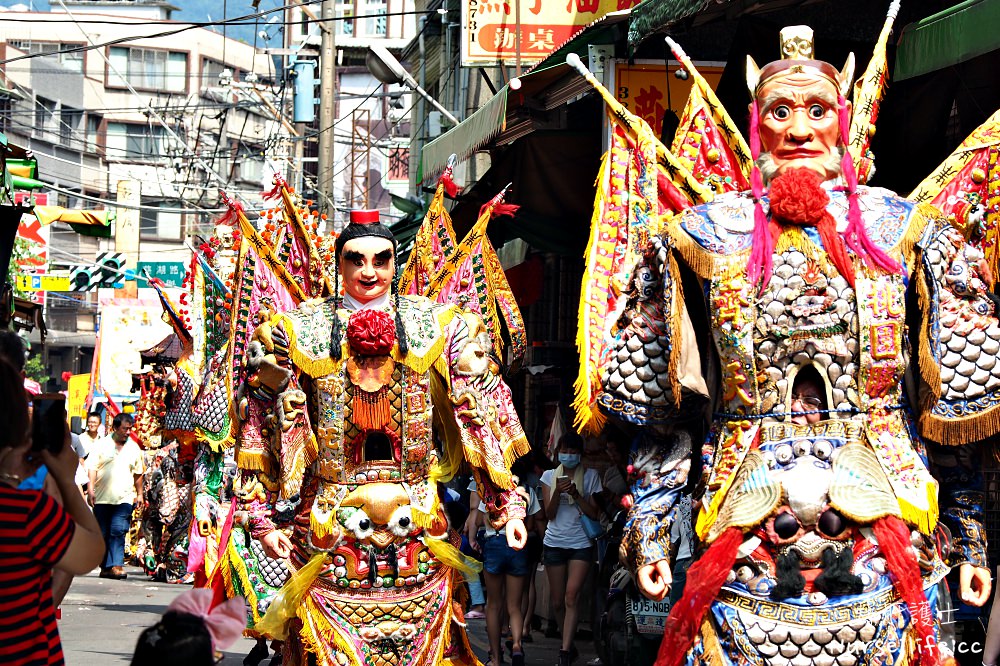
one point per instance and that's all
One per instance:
(350, 232)
(404, 344)
(335, 352)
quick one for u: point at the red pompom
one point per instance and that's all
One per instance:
(371, 332)
(66, 375)
(797, 197)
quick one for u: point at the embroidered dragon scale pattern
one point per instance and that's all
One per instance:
(346, 448)
(810, 583)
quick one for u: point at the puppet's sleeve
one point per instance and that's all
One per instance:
(276, 443)
(476, 414)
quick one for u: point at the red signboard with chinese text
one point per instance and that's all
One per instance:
(648, 90)
(490, 32)
(34, 241)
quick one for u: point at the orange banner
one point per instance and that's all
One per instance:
(649, 90)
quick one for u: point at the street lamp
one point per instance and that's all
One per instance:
(384, 67)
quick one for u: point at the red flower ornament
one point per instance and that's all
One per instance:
(371, 332)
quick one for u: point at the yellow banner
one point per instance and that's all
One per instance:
(76, 396)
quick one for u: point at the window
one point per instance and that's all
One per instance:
(210, 72)
(251, 165)
(70, 120)
(375, 23)
(6, 113)
(345, 27)
(72, 61)
(147, 69)
(45, 116)
(93, 132)
(134, 142)
(159, 224)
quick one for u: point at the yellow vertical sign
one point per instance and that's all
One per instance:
(649, 91)
(76, 396)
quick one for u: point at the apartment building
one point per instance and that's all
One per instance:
(106, 91)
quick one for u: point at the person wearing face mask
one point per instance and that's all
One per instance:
(568, 492)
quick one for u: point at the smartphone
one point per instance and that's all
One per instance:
(562, 478)
(48, 422)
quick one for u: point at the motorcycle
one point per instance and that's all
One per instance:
(630, 625)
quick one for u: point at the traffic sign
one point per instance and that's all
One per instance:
(170, 272)
(43, 282)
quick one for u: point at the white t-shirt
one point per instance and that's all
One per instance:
(116, 470)
(533, 508)
(565, 529)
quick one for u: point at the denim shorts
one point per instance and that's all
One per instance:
(555, 556)
(500, 559)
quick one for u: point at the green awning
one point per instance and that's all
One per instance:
(947, 38)
(488, 121)
(466, 137)
(652, 15)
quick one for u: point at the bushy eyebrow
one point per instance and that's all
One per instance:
(783, 94)
(352, 255)
(384, 255)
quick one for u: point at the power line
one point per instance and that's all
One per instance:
(203, 24)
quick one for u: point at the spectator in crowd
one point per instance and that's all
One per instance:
(615, 480)
(529, 470)
(505, 570)
(191, 632)
(38, 534)
(470, 541)
(568, 492)
(12, 350)
(91, 435)
(115, 468)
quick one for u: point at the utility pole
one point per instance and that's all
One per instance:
(327, 103)
(127, 232)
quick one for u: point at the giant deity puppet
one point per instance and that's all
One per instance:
(847, 344)
(339, 464)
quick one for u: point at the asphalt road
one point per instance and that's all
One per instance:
(102, 619)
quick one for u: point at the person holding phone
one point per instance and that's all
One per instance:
(38, 534)
(115, 468)
(568, 552)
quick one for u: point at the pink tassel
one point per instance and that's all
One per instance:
(761, 243)
(449, 183)
(855, 235)
(275, 191)
(499, 210)
(231, 216)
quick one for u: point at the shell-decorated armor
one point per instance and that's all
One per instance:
(810, 582)
(350, 445)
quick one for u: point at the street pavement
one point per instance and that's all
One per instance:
(102, 619)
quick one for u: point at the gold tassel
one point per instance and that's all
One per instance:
(451, 556)
(698, 259)
(371, 411)
(289, 598)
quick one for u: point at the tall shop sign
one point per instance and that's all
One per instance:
(490, 27)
